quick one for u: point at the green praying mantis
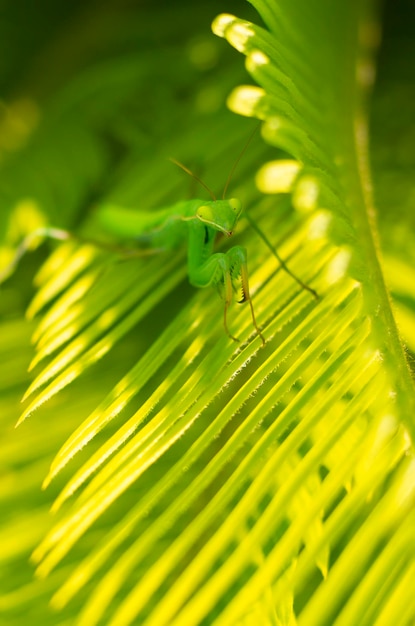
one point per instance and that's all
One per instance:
(197, 221)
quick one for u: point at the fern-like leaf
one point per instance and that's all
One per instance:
(223, 483)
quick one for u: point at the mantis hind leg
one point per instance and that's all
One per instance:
(31, 242)
(35, 238)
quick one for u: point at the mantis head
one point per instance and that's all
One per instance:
(222, 215)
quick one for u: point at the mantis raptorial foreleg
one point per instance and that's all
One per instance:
(227, 271)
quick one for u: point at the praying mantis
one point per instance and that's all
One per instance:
(197, 221)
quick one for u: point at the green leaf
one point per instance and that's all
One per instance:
(200, 480)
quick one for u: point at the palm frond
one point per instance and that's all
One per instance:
(216, 482)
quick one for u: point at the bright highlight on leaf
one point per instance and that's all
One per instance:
(337, 269)
(246, 100)
(306, 194)
(278, 176)
(256, 59)
(26, 218)
(197, 480)
(319, 224)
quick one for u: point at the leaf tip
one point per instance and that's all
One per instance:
(221, 23)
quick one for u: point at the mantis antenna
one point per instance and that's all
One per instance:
(231, 173)
(186, 169)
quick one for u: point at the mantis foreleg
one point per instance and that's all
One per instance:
(228, 271)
